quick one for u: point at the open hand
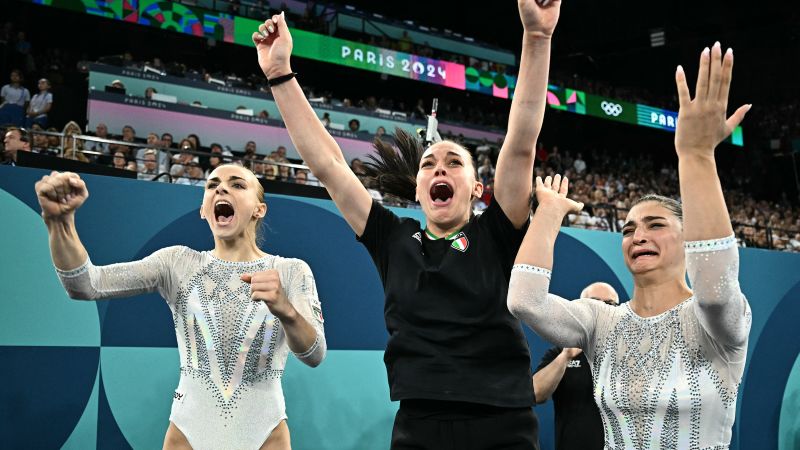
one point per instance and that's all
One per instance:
(274, 44)
(266, 287)
(60, 194)
(552, 194)
(539, 17)
(702, 122)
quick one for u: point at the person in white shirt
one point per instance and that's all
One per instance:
(14, 98)
(40, 105)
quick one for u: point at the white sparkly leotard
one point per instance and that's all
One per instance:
(232, 349)
(663, 382)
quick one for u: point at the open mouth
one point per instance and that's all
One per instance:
(640, 253)
(441, 193)
(223, 212)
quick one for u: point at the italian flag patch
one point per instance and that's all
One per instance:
(460, 242)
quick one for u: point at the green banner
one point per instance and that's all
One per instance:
(612, 109)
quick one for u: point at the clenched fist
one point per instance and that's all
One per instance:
(60, 194)
(266, 287)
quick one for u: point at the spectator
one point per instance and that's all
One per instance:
(380, 132)
(149, 169)
(40, 105)
(166, 140)
(326, 119)
(39, 140)
(15, 98)
(579, 165)
(73, 148)
(193, 176)
(301, 177)
(148, 93)
(119, 160)
(16, 140)
(486, 171)
(354, 125)
(101, 131)
(181, 160)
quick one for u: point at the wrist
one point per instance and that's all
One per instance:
(697, 154)
(288, 317)
(536, 37)
(277, 71)
(61, 221)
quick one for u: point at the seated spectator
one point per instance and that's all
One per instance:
(193, 176)
(15, 140)
(73, 148)
(40, 105)
(149, 91)
(119, 162)
(14, 98)
(180, 160)
(39, 140)
(301, 177)
(101, 131)
(354, 125)
(149, 169)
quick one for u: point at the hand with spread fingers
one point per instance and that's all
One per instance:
(60, 194)
(266, 287)
(551, 193)
(539, 17)
(702, 121)
(274, 44)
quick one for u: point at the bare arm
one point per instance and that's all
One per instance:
(316, 146)
(60, 195)
(546, 380)
(559, 321)
(712, 257)
(514, 172)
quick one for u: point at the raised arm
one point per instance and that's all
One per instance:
(60, 195)
(561, 322)
(514, 173)
(316, 146)
(712, 256)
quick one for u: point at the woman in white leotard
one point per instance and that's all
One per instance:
(237, 310)
(667, 364)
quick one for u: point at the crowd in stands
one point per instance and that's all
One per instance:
(605, 183)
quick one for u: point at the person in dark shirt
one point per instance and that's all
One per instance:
(565, 375)
(456, 359)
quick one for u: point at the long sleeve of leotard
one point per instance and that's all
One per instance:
(303, 294)
(90, 282)
(561, 322)
(720, 307)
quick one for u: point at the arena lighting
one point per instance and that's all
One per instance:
(657, 37)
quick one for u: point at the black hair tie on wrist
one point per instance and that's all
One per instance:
(281, 79)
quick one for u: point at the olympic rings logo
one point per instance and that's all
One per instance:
(611, 109)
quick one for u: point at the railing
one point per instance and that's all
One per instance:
(603, 216)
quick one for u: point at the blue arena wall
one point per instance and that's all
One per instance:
(82, 375)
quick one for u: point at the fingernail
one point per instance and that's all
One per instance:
(729, 52)
(269, 28)
(275, 19)
(705, 51)
(679, 69)
(716, 44)
(282, 14)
